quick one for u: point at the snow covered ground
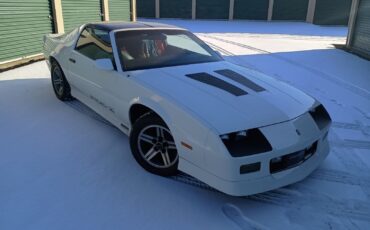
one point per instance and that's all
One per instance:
(64, 167)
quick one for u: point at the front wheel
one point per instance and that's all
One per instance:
(153, 146)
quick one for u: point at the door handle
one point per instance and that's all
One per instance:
(72, 60)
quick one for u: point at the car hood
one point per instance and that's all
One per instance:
(224, 111)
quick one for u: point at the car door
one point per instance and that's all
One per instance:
(93, 83)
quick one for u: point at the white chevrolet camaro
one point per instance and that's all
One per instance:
(185, 108)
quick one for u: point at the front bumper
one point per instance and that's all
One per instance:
(260, 184)
(223, 172)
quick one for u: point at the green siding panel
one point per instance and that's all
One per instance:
(145, 8)
(23, 23)
(251, 9)
(119, 10)
(332, 12)
(361, 34)
(295, 10)
(78, 12)
(175, 9)
(215, 9)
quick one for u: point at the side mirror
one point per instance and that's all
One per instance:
(104, 64)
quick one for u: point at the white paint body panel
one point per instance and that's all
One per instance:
(198, 114)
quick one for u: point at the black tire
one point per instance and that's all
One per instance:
(153, 147)
(60, 84)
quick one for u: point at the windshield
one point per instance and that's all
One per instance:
(144, 49)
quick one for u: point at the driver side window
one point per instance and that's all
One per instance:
(95, 44)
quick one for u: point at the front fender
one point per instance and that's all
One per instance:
(184, 128)
(152, 104)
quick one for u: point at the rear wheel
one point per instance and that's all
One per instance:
(60, 84)
(153, 146)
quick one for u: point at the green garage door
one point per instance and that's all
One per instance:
(175, 9)
(295, 10)
(251, 9)
(145, 8)
(212, 9)
(332, 12)
(22, 26)
(119, 10)
(361, 34)
(77, 12)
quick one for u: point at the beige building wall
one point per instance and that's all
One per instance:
(105, 6)
(58, 16)
(133, 10)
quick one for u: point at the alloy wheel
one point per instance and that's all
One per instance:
(58, 81)
(157, 147)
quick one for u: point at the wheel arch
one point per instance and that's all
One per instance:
(142, 107)
(52, 59)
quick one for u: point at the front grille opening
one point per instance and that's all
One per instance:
(292, 160)
(253, 143)
(249, 168)
(321, 117)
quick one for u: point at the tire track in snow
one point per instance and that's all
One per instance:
(280, 36)
(187, 179)
(340, 177)
(348, 143)
(347, 85)
(318, 202)
(238, 44)
(365, 129)
(328, 175)
(83, 109)
(233, 213)
(351, 162)
(296, 199)
(220, 49)
(236, 59)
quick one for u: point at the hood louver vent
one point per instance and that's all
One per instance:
(240, 79)
(218, 83)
